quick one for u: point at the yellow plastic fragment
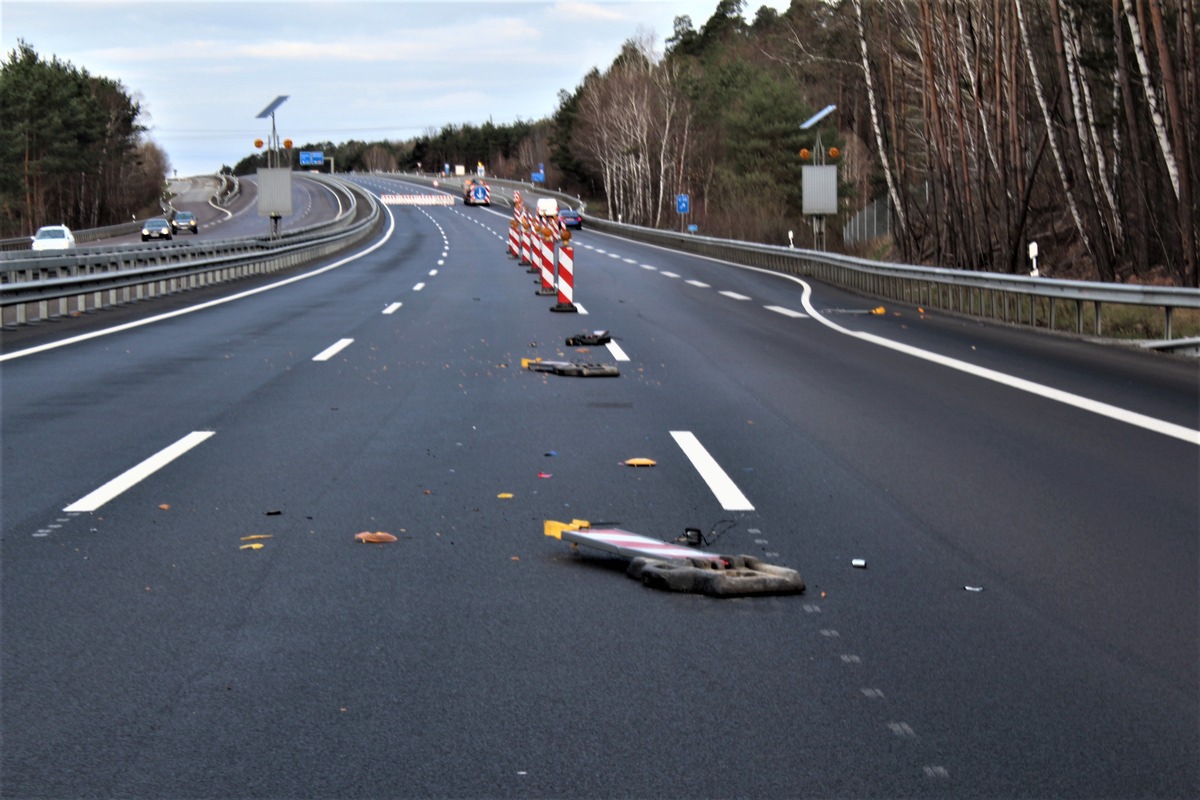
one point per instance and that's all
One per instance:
(504, 496)
(525, 362)
(258, 536)
(878, 311)
(555, 528)
(255, 546)
(640, 462)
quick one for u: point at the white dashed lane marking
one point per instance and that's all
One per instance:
(726, 491)
(136, 474)
(333, 350)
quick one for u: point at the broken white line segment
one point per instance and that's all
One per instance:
(787, 312)
(728, 494)
(135, 475)
(735, 295)
(617, 352)
(393, 308)
(333, 350)
(697, 284)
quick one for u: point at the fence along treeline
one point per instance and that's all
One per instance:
(989, 123)
(1068, 121)
(71, 148)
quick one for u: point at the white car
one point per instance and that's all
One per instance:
(53, 237)
(547, 207)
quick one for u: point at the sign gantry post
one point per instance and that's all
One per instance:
(275, 181)
(819, 181)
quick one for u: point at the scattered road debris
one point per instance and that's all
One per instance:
(640, 462)
(589, 339)
(663, 565)
(859, 563)
(378, 537)
(570, 368)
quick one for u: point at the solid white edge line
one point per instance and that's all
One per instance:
(727, 493)
(1180, 432)
(333, 350)
(617, 352)
(1057, 395)
(135, 475)
(83, 337)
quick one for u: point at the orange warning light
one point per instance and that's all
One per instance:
(805, 154)
(287, 143)
(834, 152)
(258, 142)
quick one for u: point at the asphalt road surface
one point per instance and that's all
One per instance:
(1026, 507)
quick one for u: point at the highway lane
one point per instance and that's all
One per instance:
(476, 658)
(312, 202)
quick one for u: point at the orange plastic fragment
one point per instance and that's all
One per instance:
(377, 536)
(165, 506)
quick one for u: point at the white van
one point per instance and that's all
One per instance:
(547, 207)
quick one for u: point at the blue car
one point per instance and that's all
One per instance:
(570, 218)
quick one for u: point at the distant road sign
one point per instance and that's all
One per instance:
(683, 203)
(312, 158)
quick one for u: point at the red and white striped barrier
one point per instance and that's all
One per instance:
(416, 199)
(546, 245)
(527, 246)
(566, 278)
(514, 242)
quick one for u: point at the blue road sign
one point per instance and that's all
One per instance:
(682, 203)
(312, 158)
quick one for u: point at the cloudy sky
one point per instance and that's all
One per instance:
(388, 69)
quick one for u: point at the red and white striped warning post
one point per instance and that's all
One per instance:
(527, 244)
(566, 275)
(514, 242)
(547, 262)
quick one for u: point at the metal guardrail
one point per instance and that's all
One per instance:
(41, 286)
(1039, 302)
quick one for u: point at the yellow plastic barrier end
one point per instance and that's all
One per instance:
(555, 528)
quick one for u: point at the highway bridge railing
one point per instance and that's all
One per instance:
(47, 285)
(1051, 303)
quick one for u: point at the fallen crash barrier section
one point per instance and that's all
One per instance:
(571, 368)
(663, 565)
(593, 339)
